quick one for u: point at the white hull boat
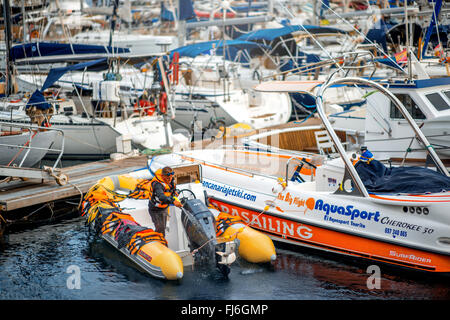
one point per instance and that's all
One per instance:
(25, 149)
(308, 200)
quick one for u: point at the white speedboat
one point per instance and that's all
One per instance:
(329, 204)
(386, 131)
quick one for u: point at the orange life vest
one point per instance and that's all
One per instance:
(167, 189)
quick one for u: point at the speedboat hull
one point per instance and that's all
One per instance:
(297, 232)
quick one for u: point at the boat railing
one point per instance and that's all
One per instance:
(302, 162)
(257, 146)
(340, 61)
(31, 129)
(234, 148)
(350, 171)
(225, 167)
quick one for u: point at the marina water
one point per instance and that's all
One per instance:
(41, 263)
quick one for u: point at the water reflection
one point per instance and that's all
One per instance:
(344, 280)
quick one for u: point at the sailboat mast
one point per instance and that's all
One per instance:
(113, 22)
(408, 52)
(8, 42)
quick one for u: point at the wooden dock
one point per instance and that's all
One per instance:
(21, 194)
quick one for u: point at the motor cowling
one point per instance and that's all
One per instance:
(199, 224)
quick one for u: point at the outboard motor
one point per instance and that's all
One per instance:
(200, 226)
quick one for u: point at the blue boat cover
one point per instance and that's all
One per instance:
(378, 34)
(274, 33)
(166, 14)
(232, 47)
(56, 73)
(378, 178)
(186, 10)
(43, 49)
(37, 99)
(390, 62)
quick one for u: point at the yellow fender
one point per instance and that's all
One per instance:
(107, 183)
(123, 181)
(128, 182)
(254, 246)
(164, 258)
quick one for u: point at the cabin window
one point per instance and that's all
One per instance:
(447, 93)
(438, 101)
(409, 104)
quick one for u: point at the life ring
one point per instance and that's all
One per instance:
(34, 34)
(163, 102)
(145, 107)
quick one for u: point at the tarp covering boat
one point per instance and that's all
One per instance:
(273, 37)
(274, 33)
(378, 178)
(43, 49)
(37, 99)
(56, 73)
(231, 47)
(378, 34)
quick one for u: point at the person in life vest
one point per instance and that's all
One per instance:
(163, 194)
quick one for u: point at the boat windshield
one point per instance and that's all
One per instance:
(254, 162)
(447, 94)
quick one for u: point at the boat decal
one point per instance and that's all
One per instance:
(349, 210)
(227, 190)
(296, 201)
(265, 222)
(145, 256)
(403, 225)
(335, 241)
(411, 257)
(310, 204)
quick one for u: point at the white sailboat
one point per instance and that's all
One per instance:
(94, 129)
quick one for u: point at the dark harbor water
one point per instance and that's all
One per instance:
(38, 264)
